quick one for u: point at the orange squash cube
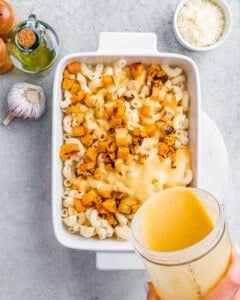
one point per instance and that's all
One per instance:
(74, 67)
(78, 206)
(87, 140)
(91, 153)
(107, 79)
(75, 88)
(78, 131)
(67, 150)
(89, 197)
(123, 152)
(67, 84)
(110, 205)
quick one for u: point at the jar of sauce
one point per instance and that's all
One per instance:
(181, 236)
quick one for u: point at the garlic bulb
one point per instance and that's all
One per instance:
(26, 101)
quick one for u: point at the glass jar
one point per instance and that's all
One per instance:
(33, 46)
(189, 273)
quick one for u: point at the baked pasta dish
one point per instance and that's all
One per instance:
(125, 139)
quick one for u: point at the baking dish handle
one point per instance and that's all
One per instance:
(127, 42)
(118, 261)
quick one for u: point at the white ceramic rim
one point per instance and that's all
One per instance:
(223, 38)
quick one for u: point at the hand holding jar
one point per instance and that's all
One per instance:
(182, 238)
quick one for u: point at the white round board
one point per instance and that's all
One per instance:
(213, 178)
(214, 159)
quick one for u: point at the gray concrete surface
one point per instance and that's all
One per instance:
(32, 264)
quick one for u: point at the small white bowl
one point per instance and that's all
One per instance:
(226, 32)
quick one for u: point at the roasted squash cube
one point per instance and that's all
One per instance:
(67, 150)
(123, 152)
(107, 79)
(74, 67)
(136, 69)
(67, 84)
(89, 197)
(91, 153)
(87, 140)
(78, 206)
(110, 205)
(78, 131)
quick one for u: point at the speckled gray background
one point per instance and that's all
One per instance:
(32, 264)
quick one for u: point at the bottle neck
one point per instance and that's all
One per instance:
(27, 40)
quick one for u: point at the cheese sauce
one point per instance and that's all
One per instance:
(175, 220)
(144, 180)
(140, 181)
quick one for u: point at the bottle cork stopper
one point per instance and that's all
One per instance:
(26, 38)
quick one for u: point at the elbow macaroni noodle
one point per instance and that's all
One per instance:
(125, 138)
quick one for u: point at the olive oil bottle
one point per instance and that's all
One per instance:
(32, 46)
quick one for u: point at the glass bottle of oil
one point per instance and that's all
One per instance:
(32, 46)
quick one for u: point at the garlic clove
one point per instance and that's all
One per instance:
(26, 101)
(8, 119)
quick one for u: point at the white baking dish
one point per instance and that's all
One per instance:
(134, 47)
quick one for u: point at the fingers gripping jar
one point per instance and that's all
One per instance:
(189, 273)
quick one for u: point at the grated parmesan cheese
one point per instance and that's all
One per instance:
(201, 22)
